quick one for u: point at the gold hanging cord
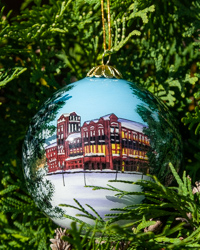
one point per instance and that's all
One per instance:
(105, 70)
(104, 30)
(109, 25)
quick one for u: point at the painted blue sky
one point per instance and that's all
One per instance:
(92, 98)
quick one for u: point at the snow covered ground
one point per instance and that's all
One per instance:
(101, 200)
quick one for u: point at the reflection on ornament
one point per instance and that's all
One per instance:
(93, 131)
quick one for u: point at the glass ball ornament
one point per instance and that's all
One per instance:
(90, 132)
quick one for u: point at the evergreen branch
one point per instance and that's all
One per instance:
(84, 211)
(117, 47)
(10, 75)
(9, 189)
(193, 120)
(97, 214)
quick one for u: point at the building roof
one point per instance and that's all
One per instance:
(51, 145)
(68, 114)
(105, 117)
(132, 125)
(73, 136)
(124, 122)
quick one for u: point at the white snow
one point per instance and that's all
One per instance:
(73, 136)
(101, 200)
(131, 125)
(93, 154)
(106, 117)
(51, 145)
(74, 157)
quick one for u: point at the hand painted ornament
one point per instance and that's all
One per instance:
(98, 129)
(93, 131)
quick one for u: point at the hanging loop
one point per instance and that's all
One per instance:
(104, 56)
(105, 70)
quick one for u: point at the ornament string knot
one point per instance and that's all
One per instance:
(105, 70)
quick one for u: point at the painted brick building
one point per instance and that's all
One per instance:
(105, 143)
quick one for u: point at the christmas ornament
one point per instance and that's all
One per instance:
(98, 129)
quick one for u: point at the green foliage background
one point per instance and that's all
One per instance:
(48, 44)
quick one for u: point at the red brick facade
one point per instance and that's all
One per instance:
(109, 142)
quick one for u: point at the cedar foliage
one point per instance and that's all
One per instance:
(49, 43)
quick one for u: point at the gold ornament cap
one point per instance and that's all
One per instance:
(104, 70)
